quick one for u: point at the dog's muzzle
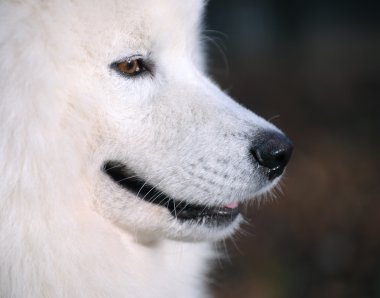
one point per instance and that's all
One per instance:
(271, 150)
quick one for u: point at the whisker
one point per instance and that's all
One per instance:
(273, 117)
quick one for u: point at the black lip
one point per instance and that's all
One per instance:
(127, 179)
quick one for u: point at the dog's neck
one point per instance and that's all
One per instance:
(76, 253)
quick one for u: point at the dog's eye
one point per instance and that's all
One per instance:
(130, 67)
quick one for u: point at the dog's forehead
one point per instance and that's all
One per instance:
(140, 23)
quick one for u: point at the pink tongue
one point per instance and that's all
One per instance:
(232, 205)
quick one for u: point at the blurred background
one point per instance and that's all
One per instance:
(313, 68)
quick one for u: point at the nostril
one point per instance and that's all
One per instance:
(273, 151)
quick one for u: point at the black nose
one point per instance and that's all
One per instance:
(272, 150)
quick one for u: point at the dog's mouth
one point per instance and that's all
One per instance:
(184, 211)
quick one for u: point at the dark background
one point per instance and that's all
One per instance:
(313, 68)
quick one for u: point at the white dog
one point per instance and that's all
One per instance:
(120, 160)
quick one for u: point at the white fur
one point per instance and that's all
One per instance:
(66, 230)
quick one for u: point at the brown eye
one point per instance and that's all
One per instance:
(129, 67)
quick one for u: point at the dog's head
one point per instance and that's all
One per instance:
(178, 154)
(168, 153)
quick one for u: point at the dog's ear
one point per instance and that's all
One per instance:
(194, 9)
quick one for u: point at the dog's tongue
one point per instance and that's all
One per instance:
(232, 205)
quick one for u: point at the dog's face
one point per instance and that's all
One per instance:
(171, 154)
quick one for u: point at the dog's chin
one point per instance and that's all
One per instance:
(189, 232)
(174, 218)
(163, 225)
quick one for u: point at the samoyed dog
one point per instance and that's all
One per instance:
(120, 160)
